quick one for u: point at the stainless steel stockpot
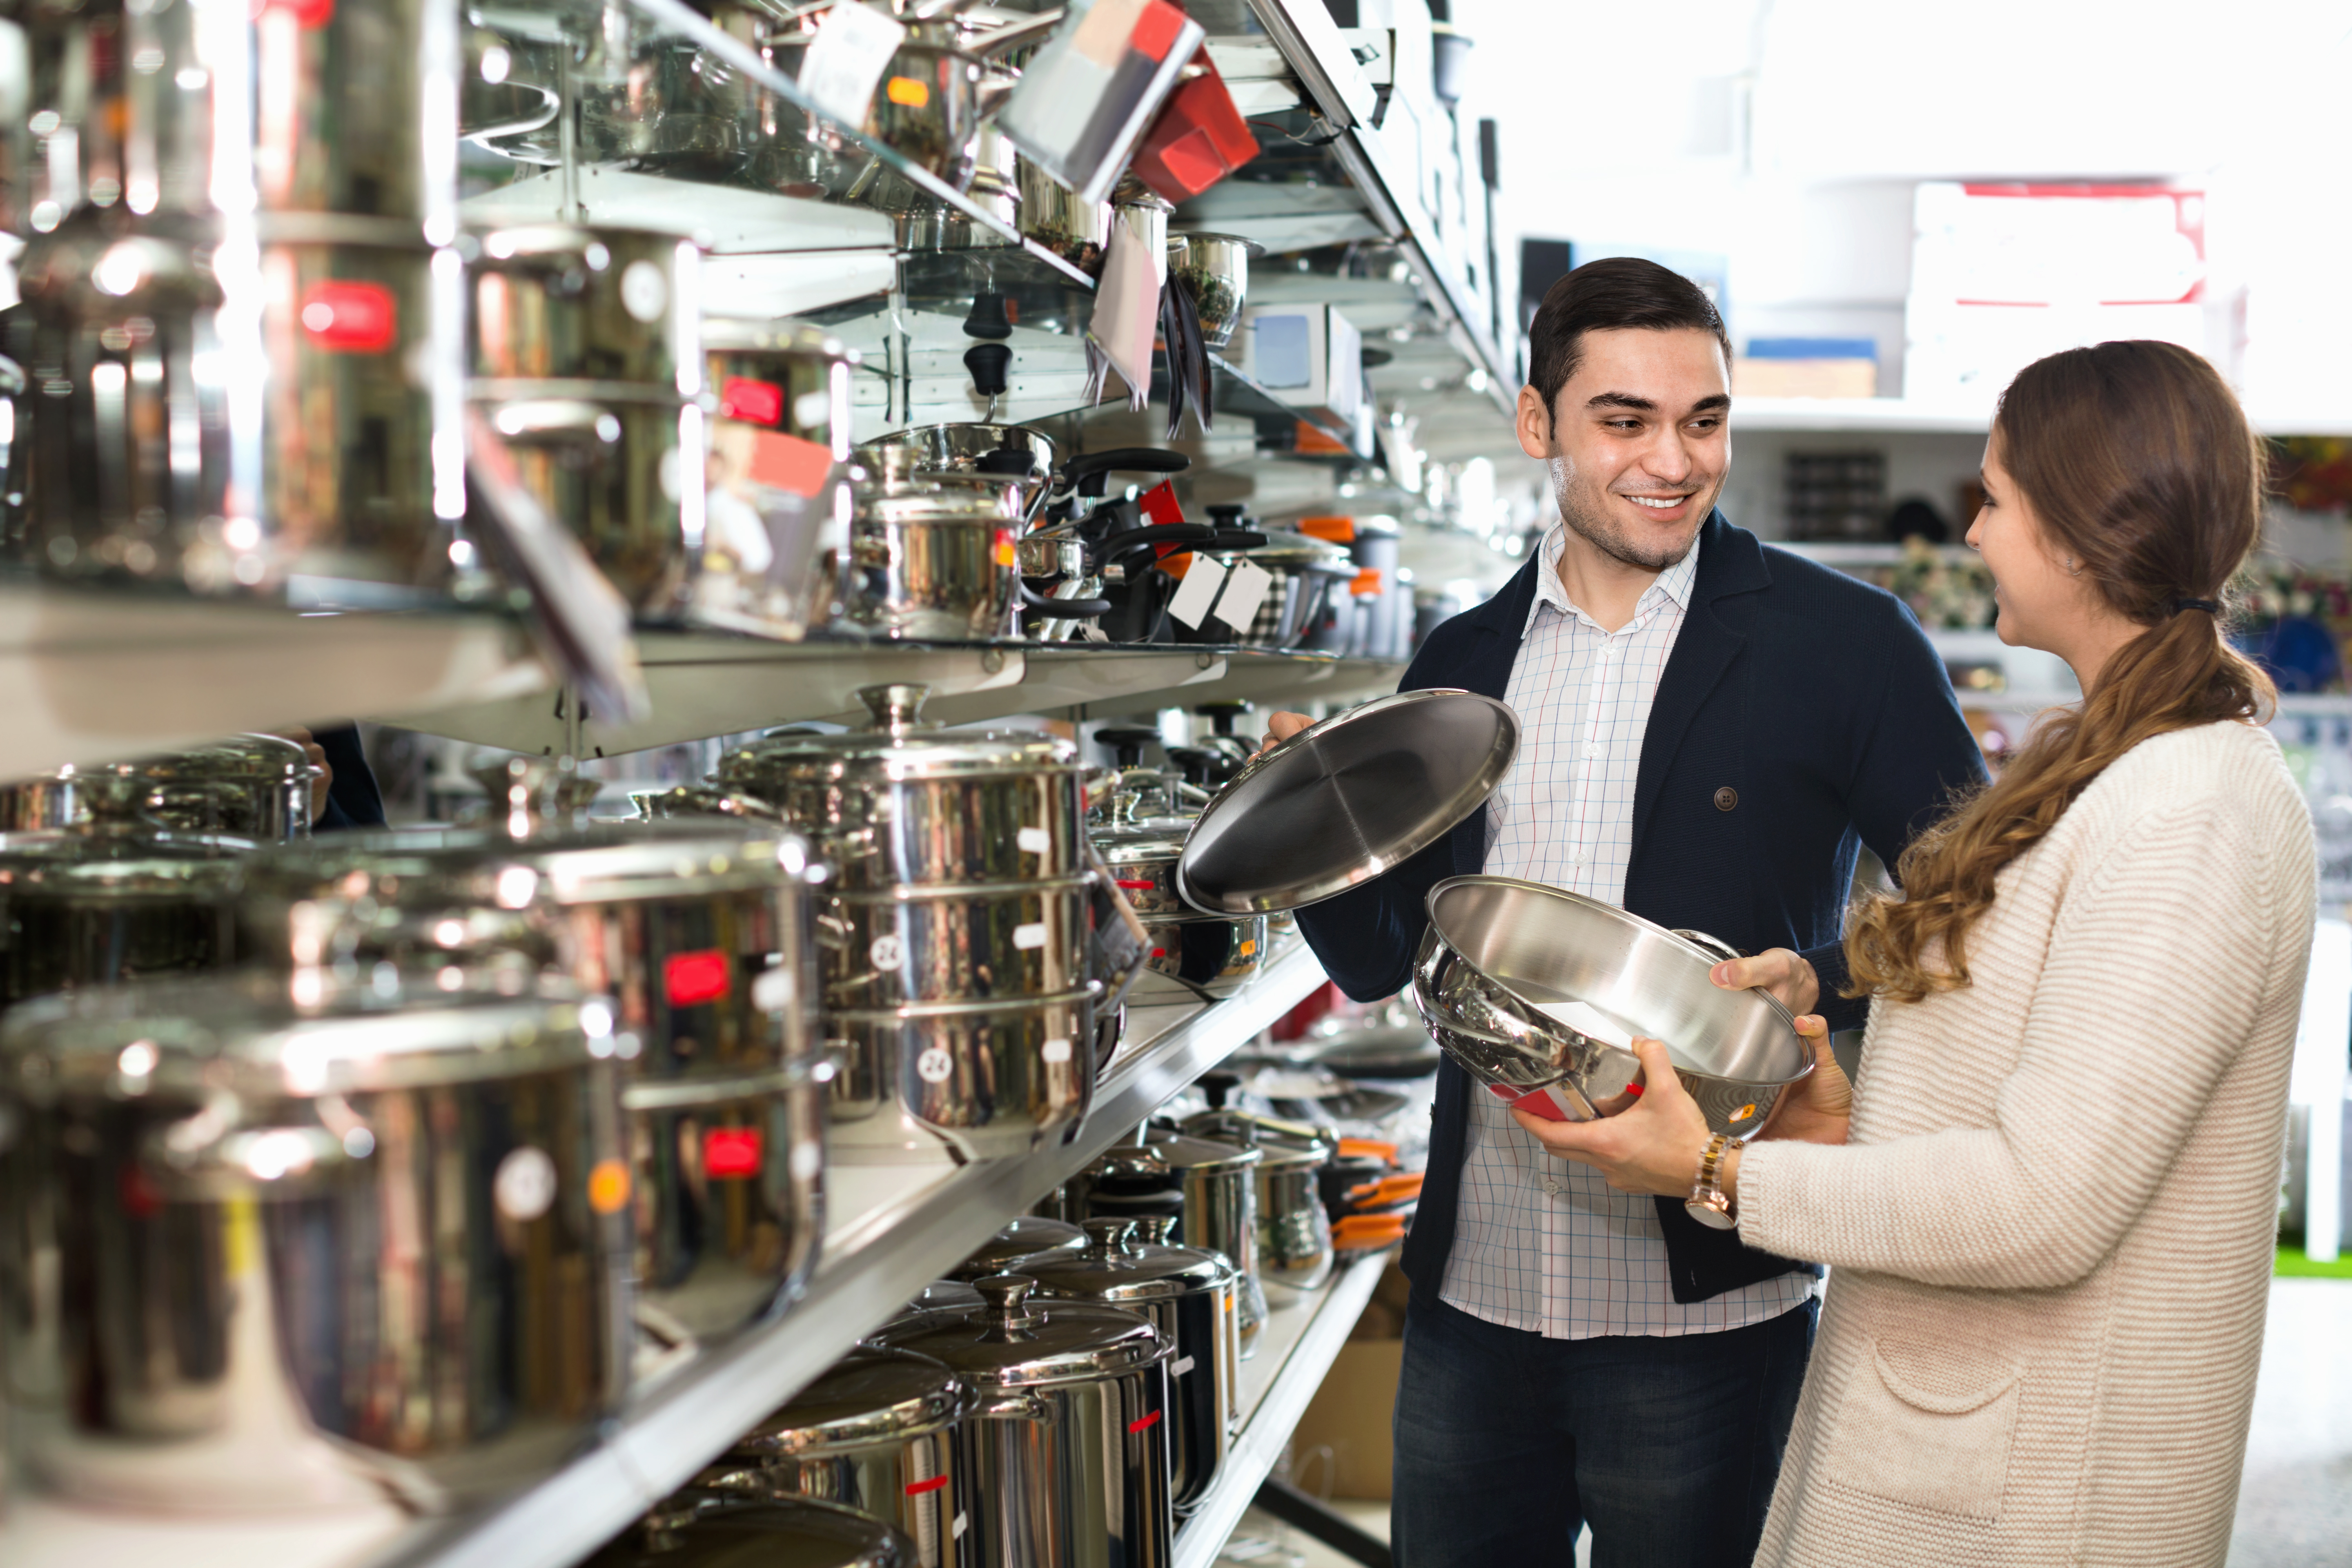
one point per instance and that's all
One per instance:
(905, 801)
(1219, 1185)
(1190, 1296)
(979, 943)
(700, 1528)
(700, 930)
(936, 561)
(1294, 1252)
(1192, 956)
(1214, 269)
(971, 452)
(1065, 1451)
(273, 1242)
(1539, 994)
(877, 1433)
(960, 1080)
(779, 507)
(248, 786)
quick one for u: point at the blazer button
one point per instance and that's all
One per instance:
(1726, 798)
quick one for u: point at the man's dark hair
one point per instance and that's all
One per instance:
(1616, 292)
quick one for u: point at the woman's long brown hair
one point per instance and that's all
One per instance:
(2140, 467)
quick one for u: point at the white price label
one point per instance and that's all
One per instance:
(935, 1066)
(888, 953)
(958, 1531)
(524, 1187)
(1245, 590)
(1197, 592)
(1182, 1365)
(1055, 1052)
(1028, 936)
(773, 991)
(844, 63)
(1034, 841)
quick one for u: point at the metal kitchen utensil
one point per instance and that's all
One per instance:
(1214, 269)
(1345, 800)
(1294, 1233)
(1191, 956)
(221, 1296)
(1538, 993)
(245, 787)
(1066, 1452)
(877, 1433)
(1189, 1296)
(1218, 1209)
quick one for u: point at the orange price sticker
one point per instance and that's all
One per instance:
(907, 92)
(608, 1186)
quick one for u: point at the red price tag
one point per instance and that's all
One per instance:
(789, 463)
(916, 1488)
(344, 316)
(690, 979)
(730, 1152)
(1144, 1423)
(761, 402)
(1159, 504)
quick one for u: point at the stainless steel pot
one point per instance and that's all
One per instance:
(876, 1434)
(1189, 1296)
(1214, 269)
(700, 1528)
(275, 1244)
(1306, 573)
(1191, 956)
(1219, 1183)
(1293, 1253)
(1075, 229)
(1066, 1448)
(115, 898)
(586, 359)
(246, 786)
(1538, 993)
(700, 932)
(780, 501)
(980, 454)
(936, 562)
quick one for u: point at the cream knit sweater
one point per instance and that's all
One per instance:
(2049, 1233)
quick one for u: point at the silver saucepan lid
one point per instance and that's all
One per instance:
(1344, 801)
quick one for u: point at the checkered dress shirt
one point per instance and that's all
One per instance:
(1541, 1244)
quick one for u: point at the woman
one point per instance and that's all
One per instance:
(2049, 1220)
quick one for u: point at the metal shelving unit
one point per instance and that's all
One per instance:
(893, 1229)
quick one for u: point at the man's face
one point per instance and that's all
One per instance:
(1638, 441)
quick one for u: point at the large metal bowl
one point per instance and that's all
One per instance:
(1536, 992)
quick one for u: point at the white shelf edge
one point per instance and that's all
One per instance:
(1258, 1446)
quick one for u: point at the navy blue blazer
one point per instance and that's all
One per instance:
(1816, 700)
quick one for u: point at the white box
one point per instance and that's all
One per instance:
(1310, 356)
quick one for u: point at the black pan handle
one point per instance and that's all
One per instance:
(1087, 474)
(1130, 539)
(1239, 539)
(1062, 609)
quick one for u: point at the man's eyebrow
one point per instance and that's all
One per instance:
(1708, 404)
(1621, 400)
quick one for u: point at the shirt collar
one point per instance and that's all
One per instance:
(1674, 584)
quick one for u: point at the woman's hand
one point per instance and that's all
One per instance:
(1786, 976)
(1817, 1108)
(1653, 1147)
(1280, 727)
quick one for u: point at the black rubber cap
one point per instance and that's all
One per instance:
(989, 363)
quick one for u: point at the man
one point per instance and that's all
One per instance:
(1708, 728)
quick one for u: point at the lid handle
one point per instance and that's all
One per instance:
(1155, 1228)
(1006, 1299)
(897, 705)
(525, 795)
(1109, 1236)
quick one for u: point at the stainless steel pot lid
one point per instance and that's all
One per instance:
(870, 1396)
(106, 860)
(704, 1530)
(1346, 800)
(1295, 550)
(436, 867)
(898, 744)
(274, 1037)
(939, 1296)
(1014, 1341)
(1002, 451)
(1026, 1237)
(1118, 1266)
(1163, 1153)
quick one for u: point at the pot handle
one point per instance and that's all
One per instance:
(1062, 609)
(1722, 950)
(1018, 1404)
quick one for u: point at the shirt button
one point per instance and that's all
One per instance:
(1548, 1184)
(1726, 798)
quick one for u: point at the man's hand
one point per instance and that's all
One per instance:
(1280, 727)
(1817, 1108)
(1785, 975)
(325, 778)
(1653, 1147)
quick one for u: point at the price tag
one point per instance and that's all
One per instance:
(1034, 841)
(1197, 592)
(844, 64)
(1245, 590)
(1029, 936)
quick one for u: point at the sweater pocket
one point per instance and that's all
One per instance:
(1928, 1426)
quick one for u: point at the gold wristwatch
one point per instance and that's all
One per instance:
(1706, 1203)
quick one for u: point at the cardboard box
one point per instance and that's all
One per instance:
(1344, 1447)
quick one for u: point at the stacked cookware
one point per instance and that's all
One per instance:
(955, 931)
(700, 932)
(940, 511)
(246, 786)
(236, 280)
(1139, 829)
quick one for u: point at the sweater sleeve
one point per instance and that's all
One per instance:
(2154, 965)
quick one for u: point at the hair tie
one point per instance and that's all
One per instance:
(2210, 606)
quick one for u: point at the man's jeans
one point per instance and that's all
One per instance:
(1508, 1442)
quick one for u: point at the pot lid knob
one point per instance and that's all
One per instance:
(1154, 1228)
(1218, 1085)
(522, 794)
(1107, 1236)
(1006, 1297)
(896, 706)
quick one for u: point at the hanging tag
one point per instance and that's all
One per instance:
(1197, 592)
(844, 63)
(1245, 590)
(1159, 505)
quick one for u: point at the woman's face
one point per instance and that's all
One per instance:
(2042, 603)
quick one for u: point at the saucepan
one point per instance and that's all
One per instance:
(1540, 993)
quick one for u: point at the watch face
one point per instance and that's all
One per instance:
(1714, 1215)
